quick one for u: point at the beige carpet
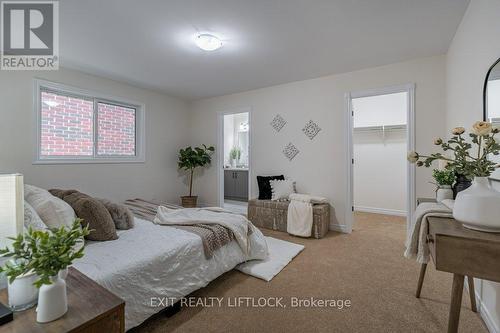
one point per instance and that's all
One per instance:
(366, 267)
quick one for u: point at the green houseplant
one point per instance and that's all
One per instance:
(190, 159)
(478, 206)
(45, 255)
(234, 156)
(444, 179)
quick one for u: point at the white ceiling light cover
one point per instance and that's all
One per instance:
(208, 42)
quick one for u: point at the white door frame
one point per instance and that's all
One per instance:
(410, 142)
(220, 150)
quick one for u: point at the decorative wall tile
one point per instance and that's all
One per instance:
(290, 151)
(311, 129)
(278, 123)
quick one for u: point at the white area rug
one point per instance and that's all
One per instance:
(280, 254)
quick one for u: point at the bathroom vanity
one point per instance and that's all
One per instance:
(236, 184)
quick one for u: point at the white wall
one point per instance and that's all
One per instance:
(320, 167)
(388, 109)
(473, 50)
(166, 122)
(232, 136)
(228, 137)
(379, 172)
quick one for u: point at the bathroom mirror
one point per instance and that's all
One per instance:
(491, 104)
(491, 94)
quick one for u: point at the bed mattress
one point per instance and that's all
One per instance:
(151, 261)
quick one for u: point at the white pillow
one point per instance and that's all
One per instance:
(53, 211)
(281, 189)
(31, 218)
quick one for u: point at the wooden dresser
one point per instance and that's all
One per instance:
(91, 308)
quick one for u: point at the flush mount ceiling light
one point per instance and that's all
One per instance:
(208, 42)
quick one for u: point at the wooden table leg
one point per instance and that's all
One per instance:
(420, 280)
(472, 293)
(456, 302)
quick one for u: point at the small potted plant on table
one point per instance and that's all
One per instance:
(189, 160)
(444, 180)
(46, 254)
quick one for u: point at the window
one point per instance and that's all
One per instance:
(75, 126)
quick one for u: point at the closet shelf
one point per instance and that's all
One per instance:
(495, 121)
(380, 128)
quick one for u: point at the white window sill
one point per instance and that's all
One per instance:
(89, 161)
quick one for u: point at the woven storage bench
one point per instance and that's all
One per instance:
(273, 215)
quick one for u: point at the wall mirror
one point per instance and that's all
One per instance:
(491, 104)
(491, 94)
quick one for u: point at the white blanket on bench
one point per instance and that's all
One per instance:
(300, 214)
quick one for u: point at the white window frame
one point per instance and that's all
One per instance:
(140, 137)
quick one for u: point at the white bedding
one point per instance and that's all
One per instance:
(151, 260)
(240, 226)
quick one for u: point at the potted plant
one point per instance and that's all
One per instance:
(189, 160)
(478, 206)
(46, 254)
(444, 180)
(22, 293)
(234, 156)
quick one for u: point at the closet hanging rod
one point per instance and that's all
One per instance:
(380, 128)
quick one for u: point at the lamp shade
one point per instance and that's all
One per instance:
(11, 207)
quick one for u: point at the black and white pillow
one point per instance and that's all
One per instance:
(264, 186)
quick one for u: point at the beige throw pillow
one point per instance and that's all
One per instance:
(31, 218)
(93, 213)
(53, 211)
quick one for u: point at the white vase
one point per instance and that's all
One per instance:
(444, 192)
(63, 273)
(22, 293)
(52, 300)
(478, 207)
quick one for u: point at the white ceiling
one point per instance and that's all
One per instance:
(267, 42)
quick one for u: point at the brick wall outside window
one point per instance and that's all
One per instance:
(66, 125)
(116, 130)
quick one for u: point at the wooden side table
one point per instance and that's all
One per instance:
(463, 252)
(91, 308)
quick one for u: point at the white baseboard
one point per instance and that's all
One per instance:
(384, 211)
(483, 311)
(486, 316)
(339, 227)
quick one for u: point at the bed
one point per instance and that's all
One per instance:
(151, 262)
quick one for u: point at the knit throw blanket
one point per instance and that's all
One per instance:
(213, 236)
(416, 246)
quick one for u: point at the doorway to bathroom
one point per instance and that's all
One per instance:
(234, 160)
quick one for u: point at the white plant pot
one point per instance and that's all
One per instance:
(22, 293)
(52, 300)
(478, 207)
(444, 192)
(63, 273)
